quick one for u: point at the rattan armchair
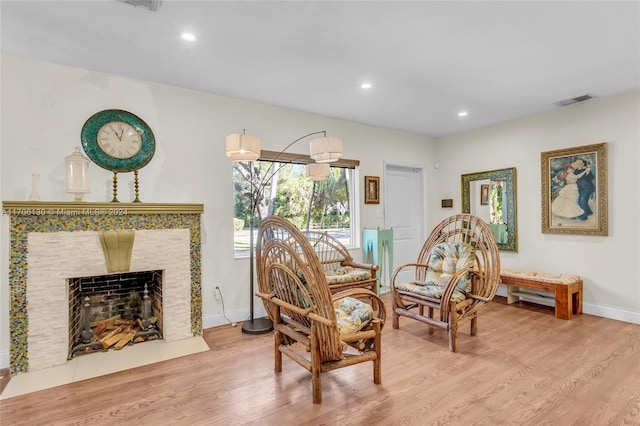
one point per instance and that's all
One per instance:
(307, 327)
(457, 273)
(341, 270)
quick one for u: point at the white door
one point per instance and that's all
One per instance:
(404, 213)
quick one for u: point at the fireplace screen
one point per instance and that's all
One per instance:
(112, 311)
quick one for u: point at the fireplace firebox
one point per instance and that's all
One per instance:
(114, 310)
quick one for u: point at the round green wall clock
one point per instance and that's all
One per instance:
(118, 140)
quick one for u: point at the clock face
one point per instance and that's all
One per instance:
(119, 139)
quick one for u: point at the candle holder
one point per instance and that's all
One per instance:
(115, 187)
(135, 185)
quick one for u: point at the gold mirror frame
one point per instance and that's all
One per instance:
(511, 218)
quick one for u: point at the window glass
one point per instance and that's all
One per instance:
(285, 190)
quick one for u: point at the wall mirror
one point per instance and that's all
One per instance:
(491, 195)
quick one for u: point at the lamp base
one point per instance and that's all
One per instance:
(257, 326)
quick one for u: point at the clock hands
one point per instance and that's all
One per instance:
(116, 133)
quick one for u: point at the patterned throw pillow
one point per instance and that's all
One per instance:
(445, 260)
(352, 314)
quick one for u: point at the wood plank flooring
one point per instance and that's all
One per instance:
(525, 367)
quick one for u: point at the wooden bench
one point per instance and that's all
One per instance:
(566, 289)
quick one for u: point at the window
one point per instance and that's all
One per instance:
(280, 186)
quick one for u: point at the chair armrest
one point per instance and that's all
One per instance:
(405, 266)
(371, 267)
(307, 311)
(355, 292)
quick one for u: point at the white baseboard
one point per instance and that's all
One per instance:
(611, 313)
(4, 359)
(236, 316)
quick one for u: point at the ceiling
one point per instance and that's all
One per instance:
(426, 61)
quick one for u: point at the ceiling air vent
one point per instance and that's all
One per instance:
(574, 100)
(152, 5)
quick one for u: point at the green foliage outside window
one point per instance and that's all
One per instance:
(285, 190)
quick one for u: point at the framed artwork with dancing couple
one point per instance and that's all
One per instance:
(574, 190)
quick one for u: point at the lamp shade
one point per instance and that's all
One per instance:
(242, 147)
(318, 171)
(326, 150)
(77, 167)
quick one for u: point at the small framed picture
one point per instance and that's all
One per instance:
(371, 190)
(574, 190)
(484, 195)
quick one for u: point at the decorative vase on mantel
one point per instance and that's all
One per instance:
(35, 182)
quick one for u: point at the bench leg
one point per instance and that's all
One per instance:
(512, 298)
(564, 302)
(577, 302)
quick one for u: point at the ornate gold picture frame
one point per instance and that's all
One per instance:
(371, 190)
(574, 190)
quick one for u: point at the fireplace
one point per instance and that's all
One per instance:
(111, 311)
(54, 243)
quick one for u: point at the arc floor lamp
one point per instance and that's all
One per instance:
(244, 147)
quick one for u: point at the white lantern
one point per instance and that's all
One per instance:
(77, 166)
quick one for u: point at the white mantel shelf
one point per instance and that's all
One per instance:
(81, 208)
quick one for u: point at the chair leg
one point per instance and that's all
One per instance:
(316, 382)
(278, 355)
(453, 327)
(474, 325)
(377, 363)
(396, 318)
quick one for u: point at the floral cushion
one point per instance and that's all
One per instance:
(352, 314)
(347, 274)
(445, 260)
(434, 291)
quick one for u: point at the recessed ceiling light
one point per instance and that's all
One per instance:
(188, 37)
(365, 86)
(462, 114)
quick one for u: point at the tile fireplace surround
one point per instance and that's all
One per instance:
(51, 242)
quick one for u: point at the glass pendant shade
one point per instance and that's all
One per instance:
(318, 171)
(77, 166)
(326, 150)
(242, 147)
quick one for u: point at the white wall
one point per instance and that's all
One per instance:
(608, 265)
(44, 106)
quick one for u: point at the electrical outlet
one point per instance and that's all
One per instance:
(217, 293)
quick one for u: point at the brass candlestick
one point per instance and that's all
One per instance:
(135, 184)
(115, 187)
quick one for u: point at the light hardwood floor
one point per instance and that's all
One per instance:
(524, 368)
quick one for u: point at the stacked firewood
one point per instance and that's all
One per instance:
(117, 332)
